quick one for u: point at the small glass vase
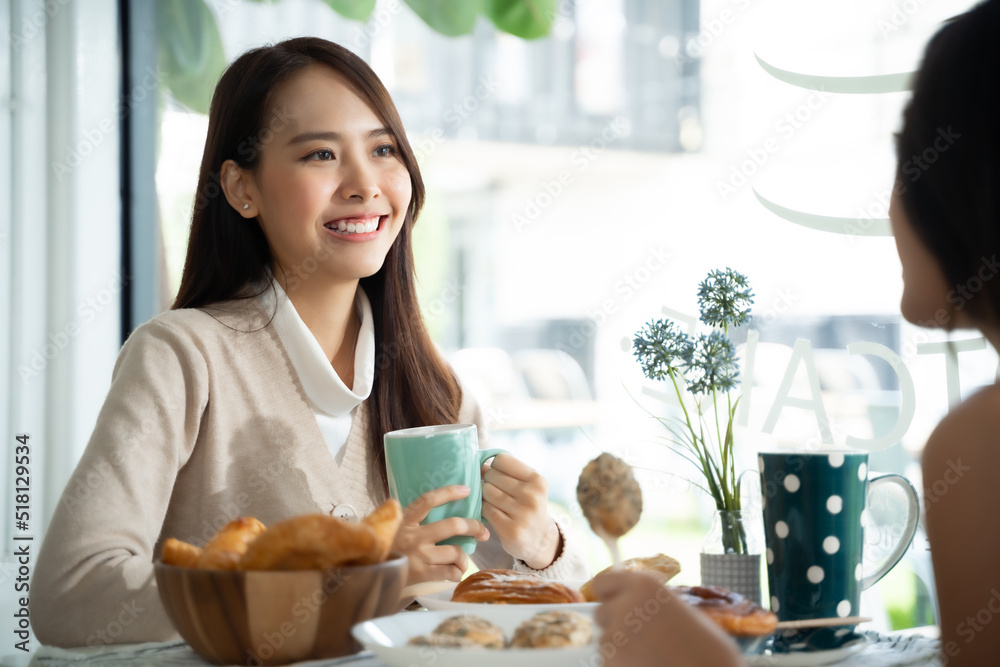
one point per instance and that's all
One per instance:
(730, 554)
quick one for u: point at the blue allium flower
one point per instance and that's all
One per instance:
(661, 348)
(712, 365)
(724, 298)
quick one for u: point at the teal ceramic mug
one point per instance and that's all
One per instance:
(813, 504)
(425, 458)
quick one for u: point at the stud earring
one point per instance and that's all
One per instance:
(246, 206)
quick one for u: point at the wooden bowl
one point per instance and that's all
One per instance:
(277, 617)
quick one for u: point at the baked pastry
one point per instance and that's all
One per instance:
(307, 542)
(179, 553)
(385, 521)
(553, 629)
(510, 587)
(661, 566)
(609, 496)
(223, 552)
(472, 628)
(310, 542)
(731, 611)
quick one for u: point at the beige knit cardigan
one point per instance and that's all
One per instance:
(205, 421)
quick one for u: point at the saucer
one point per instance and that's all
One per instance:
(805, 648)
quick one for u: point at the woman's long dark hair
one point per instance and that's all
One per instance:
(948, 157)
(228, 255)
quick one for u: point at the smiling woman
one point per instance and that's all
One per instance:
(295, 343)
(340, 195)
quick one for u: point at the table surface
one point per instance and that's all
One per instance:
(917, 646)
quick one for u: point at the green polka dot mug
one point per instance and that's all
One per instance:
(813, 506)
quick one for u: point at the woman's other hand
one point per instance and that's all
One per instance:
(428, 561)
(644, 625)
(515, 503)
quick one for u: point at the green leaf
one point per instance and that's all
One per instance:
(528, 19)
(356, 10)
(191, 55)
(448, 17)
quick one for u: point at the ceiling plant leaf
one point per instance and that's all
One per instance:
(358, 10)
(448, 17)
(191, 55)
(528, 19)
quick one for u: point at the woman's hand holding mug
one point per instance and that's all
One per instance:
(428, 560)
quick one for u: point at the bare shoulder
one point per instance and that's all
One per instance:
(961, 473)
(971, 429)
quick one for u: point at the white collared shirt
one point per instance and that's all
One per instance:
(332, 402)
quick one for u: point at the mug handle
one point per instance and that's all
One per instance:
(485, 454)
(912, 516)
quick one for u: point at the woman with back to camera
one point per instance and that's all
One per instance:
(945, 215)
(295, 343)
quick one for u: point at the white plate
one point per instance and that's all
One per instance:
(441, 601)
(806, 658)
(387, 637)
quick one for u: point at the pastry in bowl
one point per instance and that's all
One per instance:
(291, 592)
(510, 587)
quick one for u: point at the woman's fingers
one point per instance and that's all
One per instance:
(501, 500)
(417, 511)
(447, 554)
(445, 528)
(513, 467)
(430, 562)
(510, 484)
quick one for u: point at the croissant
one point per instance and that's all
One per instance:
(223, 552)
(318, 541)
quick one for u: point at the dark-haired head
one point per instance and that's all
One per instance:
(226, 255)
(948, 171)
